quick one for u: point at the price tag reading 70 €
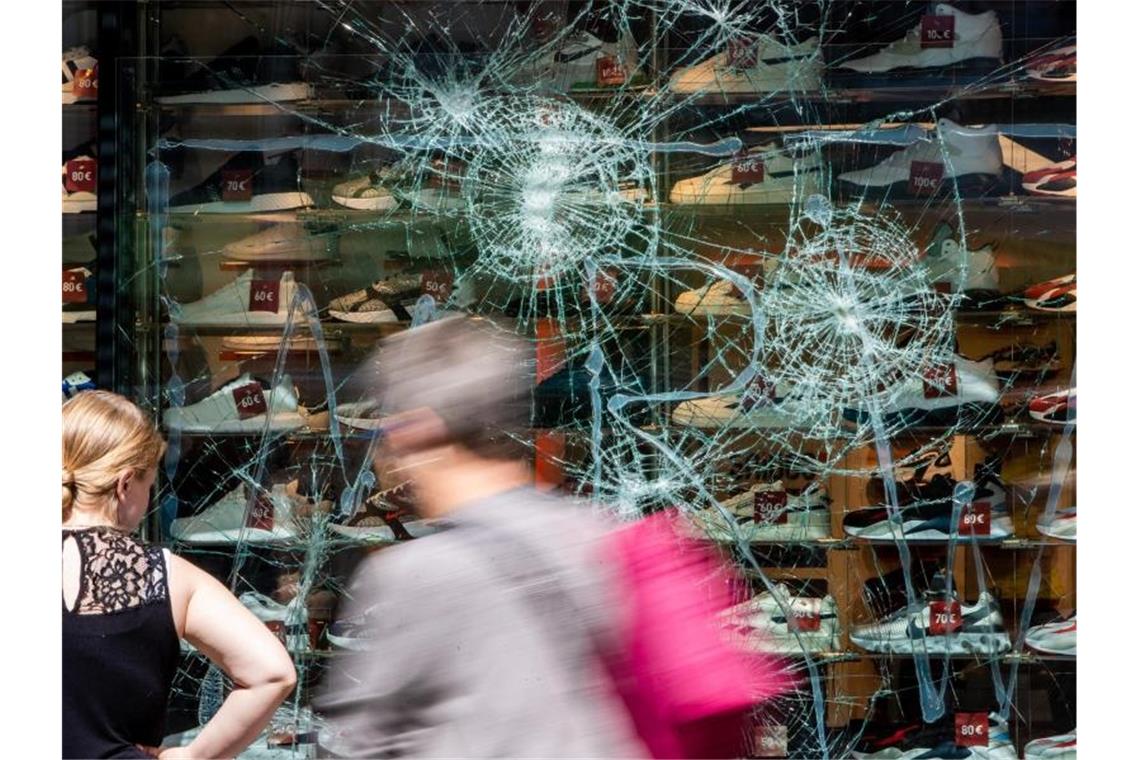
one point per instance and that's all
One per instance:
(945, 618)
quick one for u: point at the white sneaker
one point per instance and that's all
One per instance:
(75, 60)
(961, 390)
(765, 174)
(740, 410)
(244, 302)
(975, 36)
(281, 242)
(1060, 747)
(783, 624)
(959, 151)
(240, 406)
(767, 512)
(289, 621)
(365, 193)
(362, 415)
(1063, 526)
(1058, 637)
(584, 62)
(764, 66)
(225, 521)
(953, 268)
(911, 631)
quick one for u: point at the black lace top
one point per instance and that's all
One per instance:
(120, 647)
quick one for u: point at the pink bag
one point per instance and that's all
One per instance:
(688, 691)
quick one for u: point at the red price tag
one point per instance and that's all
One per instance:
(940, 381)
(316, 630)
(925, 177)
(260, 515)
(250, 400)
(602, 288)
(945, 618)
(759, 392)
(74, 286)
(437, 283)
(80, 174)
(741, 53)
(264, 295)
(770, 507)
(747, 170)
(971, 729)
(278, 629)
(237, 184)
(974, 520)
(610, 72)
(85, 84)
(937, 32)
(803, 615)
(543, 27)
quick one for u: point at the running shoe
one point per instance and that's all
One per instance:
(759, 407)
(947, 38)
(955, 268)
(949, 151)
(1060, 179)
(362, 415)
(1058, 65)
(367, 192)
(1058, 294)
(761, 64)
(247, 301)
(387, 300)
(280, 242)
(959, 393)
(251, 182)
(1060, 747)
(386, 517)
(768, 512)
(1058, 637)
(1018, 360)
(584, 61)
(780, 623)
(1063, 526)
(269, 521)
(723, 298)
(246, 73)
(80, 75)
(938, 741)
(936, 626)
(244, 405)
(764, 174)
(356, 633)
(1058, 408)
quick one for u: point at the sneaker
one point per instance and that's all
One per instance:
(1034, 292)
(383, 518)
(585, 62)
(75, 383)
(936, 740)
(970, 37)
(1063, 526)
(365, 193)
(245, 302)
(281, 242)
(1059, 408)
(764, 174)
(270, 521)
(1058, 637)
(1060, 747)
(933, 627)
(387, 300)
(80, 72)
(80, 179)
(246, 73)
(240, 406)
(768, 512)
(723, 298)
(783, 624)
(356, 633)
(950, 151)
(1058, 65)
(362, 415)
(78, 295)
(754, 66)
(954, 268)
(760, 408)
(435, 188)
(290, 622)
(926, 512)
(1018, 360)
(960, 393)
(247, 183)
(1059, 180)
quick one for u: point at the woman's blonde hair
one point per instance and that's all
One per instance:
(104, 435)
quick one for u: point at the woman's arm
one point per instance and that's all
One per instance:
(220, 627)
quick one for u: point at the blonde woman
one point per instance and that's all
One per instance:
(126, 605)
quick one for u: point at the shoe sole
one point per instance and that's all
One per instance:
(1044, 530)
(255, 205)
(1001, 528)
(71, 317)
(973, 414)
(365, 317)
(1040, 417)
(969, 184)
(277, 423)
(277, 93)
(234, 536)
(1070, 652)
(773, 79)
(962, 643)
(360, 423)
(79, 206)
(785, 643)
(245, 319)
(354, 645)
(367, 204)
(711, 310)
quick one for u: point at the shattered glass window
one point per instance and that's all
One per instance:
(803, 271)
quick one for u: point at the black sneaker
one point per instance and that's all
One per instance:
(247, 183)
(1020, 360)
(246, 73)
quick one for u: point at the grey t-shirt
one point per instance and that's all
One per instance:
(486, 641)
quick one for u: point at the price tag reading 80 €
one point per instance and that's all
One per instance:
(74, 286)
(85, 85)
(940, 381)
(250, 400)
(80, 175)
(260, 515)
(971, 729)
(747, 169)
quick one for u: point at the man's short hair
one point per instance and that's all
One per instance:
(475, 374)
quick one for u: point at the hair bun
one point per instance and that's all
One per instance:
(68, 478)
